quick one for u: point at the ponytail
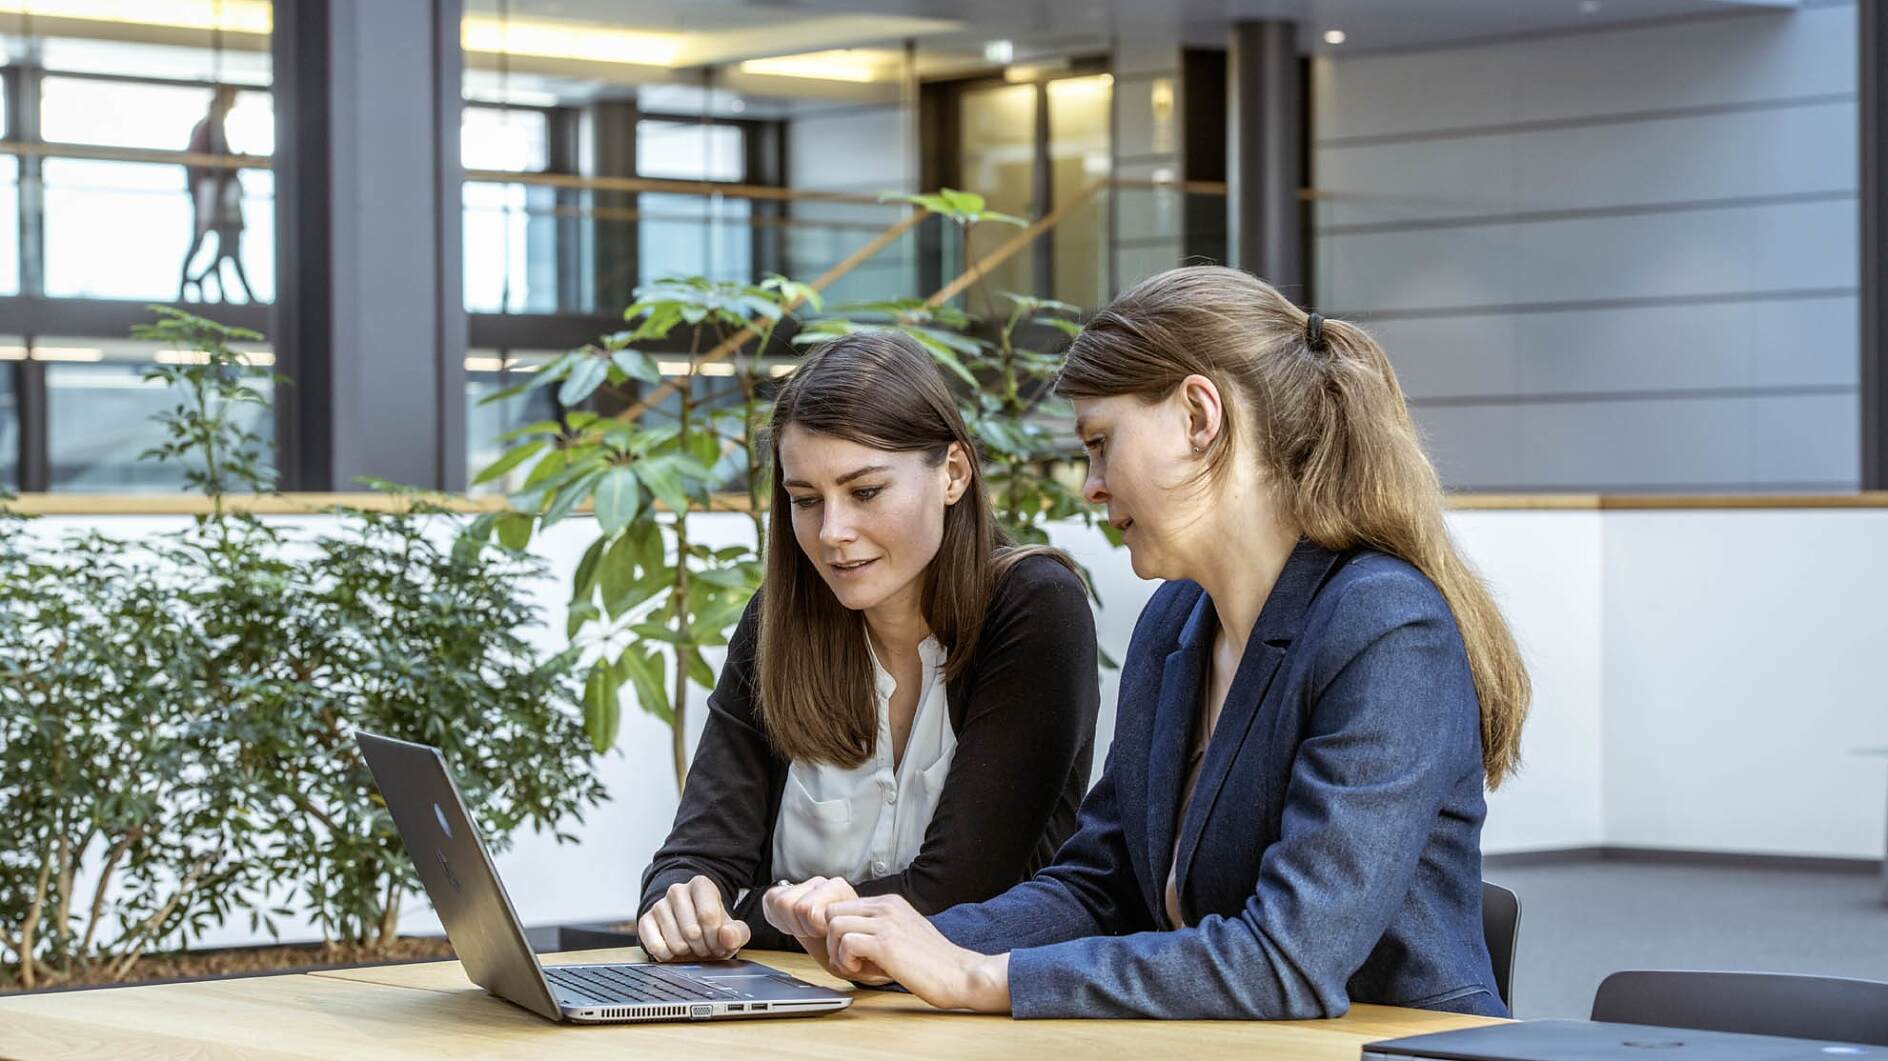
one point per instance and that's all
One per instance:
(1330, 424)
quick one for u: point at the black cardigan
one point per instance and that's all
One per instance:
(1024, 715)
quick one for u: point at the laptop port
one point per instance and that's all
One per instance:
(736, 1007)
(700, 1012)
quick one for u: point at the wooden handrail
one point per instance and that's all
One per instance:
(317, 504)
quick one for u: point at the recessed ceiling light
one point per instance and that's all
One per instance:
(1589, 7)
(1333, 36)
(1000, 52)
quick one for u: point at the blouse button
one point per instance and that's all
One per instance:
(879, 869)
(891, 795)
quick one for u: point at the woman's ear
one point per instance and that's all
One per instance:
(956, 473)
(1205, 411)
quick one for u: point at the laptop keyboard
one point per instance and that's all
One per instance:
(629, 984)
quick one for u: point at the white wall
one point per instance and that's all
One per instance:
(1613, 260)
(1701, 680)
(1745, 653)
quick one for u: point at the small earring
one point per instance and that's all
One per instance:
(1199, 449)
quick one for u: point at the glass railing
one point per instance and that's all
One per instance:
(536, 247)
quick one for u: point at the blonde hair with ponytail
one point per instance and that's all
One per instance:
(1330, 425)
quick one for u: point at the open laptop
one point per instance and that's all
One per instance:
(459, 876)
(1582, 1040)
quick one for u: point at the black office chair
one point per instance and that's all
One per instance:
(1802, 1007)
(1501, 926)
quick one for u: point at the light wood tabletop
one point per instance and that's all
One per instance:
(432, 1010)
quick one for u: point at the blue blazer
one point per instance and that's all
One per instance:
(1332, 850)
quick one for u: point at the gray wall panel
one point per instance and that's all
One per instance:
(1727, 444)
(1624, 259)
(1784, 343)
(1743, 59)
(1694, 158)
(1691, 253)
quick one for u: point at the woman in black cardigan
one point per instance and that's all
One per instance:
(908, 705)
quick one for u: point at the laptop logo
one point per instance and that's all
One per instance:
(444, 825)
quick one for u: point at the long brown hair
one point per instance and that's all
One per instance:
(1329, 423)
(879, 389)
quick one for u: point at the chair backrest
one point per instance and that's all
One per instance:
(1802, 1007)
(1501, 926)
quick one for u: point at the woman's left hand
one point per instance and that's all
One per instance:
(883, 933)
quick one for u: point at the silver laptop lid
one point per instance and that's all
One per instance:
(457, 871)
(1580, 1040)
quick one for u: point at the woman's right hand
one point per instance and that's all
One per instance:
(689, 923)
(800, 911)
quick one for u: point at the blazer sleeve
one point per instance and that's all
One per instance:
(1391, 733)
(1030, 717)
(723, 825)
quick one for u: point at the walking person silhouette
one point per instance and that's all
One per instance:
(215, 204)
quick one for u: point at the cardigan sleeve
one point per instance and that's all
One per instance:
(1028, 726)
(725, 820)
(1394, 729)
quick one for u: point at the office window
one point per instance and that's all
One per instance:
(510, 255)
(122, 229)
(99, 409)
(690, 151)
(693, 235)
(9, 225)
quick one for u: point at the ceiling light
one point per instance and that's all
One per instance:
(68, 353)
(235, 16)
(999, 52)
(552, 40)
(1589, 7)
(1334, 36)
(842, 64)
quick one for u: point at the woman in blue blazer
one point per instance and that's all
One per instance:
(1290, 816)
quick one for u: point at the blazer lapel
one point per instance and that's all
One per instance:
(1174, 714)
(1305, 572)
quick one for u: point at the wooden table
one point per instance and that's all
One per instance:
(431, 1010)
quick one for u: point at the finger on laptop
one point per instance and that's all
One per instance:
(649, 935)
(734, 935)
(679, 950)
(681, 903)
(710, 915)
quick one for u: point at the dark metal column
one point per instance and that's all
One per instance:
(371, 316)
(304, 272)
(1265, 154)
(612, 153)
(1873, 96)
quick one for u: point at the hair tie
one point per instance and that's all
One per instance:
(1314, 331)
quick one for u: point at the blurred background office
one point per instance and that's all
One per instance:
(1625, 255)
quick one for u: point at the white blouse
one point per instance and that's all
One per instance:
(869, 820)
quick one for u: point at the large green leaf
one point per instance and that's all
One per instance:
(645, 671)
(570, 495)
(637, 365)
(663, 476)
(511, 459)
(601, 712)
(514, 530)
(618, 498)
(585, 579)
(585, 374)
